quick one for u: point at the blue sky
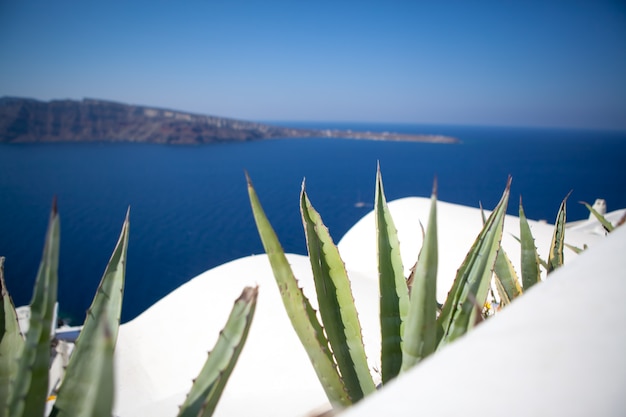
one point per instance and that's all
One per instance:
(522, 63)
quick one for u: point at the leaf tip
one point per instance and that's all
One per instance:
(249, 294)
(248, 181)
(55, 209)
(567, 196)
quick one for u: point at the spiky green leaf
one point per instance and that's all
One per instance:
(336, 303)
(531, 274)
(11, 342)
(542, 262)
(29, 391)
(482, 212)
(575, 249)
(209, 385)
(555, 256)
(504, 297)
(394, 293)
(506, 277)
(106, 307)
(603, 221)
(465, 301)
(420, 329)
(298, 307)
(87, 390)
(110, 293)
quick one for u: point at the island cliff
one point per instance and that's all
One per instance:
(28, 120)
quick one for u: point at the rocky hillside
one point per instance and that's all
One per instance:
(28, 120)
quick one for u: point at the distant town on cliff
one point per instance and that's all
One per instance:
(24, 120)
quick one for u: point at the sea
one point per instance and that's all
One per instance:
(189, 208)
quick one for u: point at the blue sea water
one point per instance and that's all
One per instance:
(190, 210)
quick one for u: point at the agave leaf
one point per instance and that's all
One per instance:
(420, 329)
(504, 297)
(574, 249)
(555, 257)
(394, 293)
(88, 390)
(11, 342)
(462, 308)
(110, 293)
(482, 212)
(603, 221)
(299, 309)
(409, 280)
(507, 281)
(29, 390)
(208, 387)
(541, 261)
(506, 277)
(336, 303)
(73, 398)
(530, 261)
(503, 263)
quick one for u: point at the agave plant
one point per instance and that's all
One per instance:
(411, 327)
(507, 282)
(88, 384)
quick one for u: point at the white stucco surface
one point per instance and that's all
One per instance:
(161, 351)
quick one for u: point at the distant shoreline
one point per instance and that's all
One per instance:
(389, 136)
(24, 120)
